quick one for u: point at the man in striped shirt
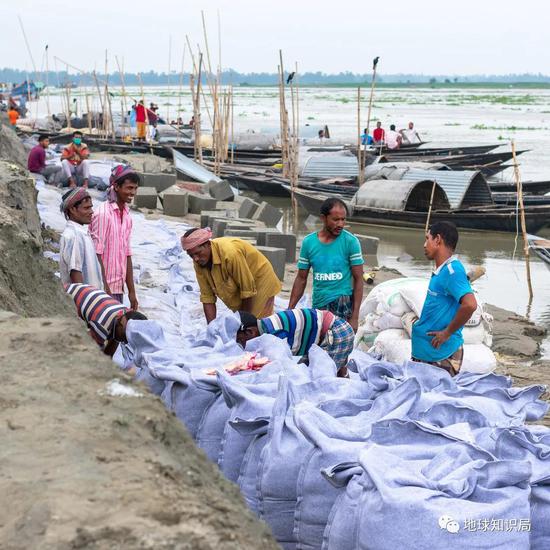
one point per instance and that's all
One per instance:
(111, 229)
(106, 317)
(302, 328)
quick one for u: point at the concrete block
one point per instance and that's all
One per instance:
(220, 190)
(262, 232)
(199, 203)
(175, 203)
(146, 197)
(230, 207)
(218, 226)
(369, 245)
(268, 214)
(282, 240)
(159, 181)
(276, 257)
(247, 208)
(241, 233)
(208, 215)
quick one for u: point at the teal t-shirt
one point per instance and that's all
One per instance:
(331, 264)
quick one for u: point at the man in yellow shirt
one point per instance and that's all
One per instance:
(233, 271)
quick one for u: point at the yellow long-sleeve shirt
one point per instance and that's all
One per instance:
(238, 271)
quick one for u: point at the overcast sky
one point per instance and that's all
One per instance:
(416, 36)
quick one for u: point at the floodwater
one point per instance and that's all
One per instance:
(457, 116)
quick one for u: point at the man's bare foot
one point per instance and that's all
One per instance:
(72, 183)
(85, 184)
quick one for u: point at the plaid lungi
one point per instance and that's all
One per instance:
(338, 342)
(341, 307)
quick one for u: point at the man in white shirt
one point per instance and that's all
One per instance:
(393, 138)
(410, 135)
(78, 261)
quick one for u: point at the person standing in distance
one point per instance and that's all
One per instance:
(335, 256)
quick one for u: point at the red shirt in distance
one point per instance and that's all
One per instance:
(378, 134)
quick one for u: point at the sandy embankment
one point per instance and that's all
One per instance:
(81, 469)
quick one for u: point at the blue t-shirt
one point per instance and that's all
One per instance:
(449, 283)
(331, 264)
(366, 139)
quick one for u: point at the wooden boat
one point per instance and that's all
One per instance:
(481, 218)
(541, 247)
(539, 187)
(510, 199)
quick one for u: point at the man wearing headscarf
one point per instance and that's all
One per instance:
(111, 230)
(78, 262)
(234, 271)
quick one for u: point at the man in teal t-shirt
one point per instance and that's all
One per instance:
(335, 256)
(450, 302)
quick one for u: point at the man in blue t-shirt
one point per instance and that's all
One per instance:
(337, 262)
(450, 302)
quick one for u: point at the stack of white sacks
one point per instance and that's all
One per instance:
(386, 318)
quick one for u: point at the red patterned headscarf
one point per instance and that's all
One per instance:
(198, 237)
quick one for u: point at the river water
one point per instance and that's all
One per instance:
(457, 116)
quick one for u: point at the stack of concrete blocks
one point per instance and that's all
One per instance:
(149, 187)
(175, 201)
(220, 190)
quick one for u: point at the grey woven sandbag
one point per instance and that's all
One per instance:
(211, 435)
(338, 430)
(500, 406)
(245, 404)
(532, 444)
(432, 504)
(286, 447)
(248, 475)
(253, 400)
(481, 382)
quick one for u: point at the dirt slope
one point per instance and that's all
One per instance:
(85, 470)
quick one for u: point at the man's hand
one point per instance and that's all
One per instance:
(354, 322)
(439, 337)
(133, 301)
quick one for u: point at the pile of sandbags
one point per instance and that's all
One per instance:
(387, 315)
(395, 452)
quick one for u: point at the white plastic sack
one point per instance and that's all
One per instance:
(478, 359)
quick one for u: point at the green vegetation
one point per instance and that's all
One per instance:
(508, 128)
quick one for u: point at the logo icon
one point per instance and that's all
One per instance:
(448, 523)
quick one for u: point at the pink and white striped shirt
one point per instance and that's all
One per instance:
(111, 235)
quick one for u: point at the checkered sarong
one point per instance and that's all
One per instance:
(338, 342)
(341, 307)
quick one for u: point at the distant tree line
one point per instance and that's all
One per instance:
(259, 79)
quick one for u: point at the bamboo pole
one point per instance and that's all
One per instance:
(430, 208)
(47, 83)
(108, 98)
(232, 127)
(180, 93)
(519, 188)
(284, 118)
(374, 65)
(360, 171)
(169, 69)
(124, 105)
(98, 90)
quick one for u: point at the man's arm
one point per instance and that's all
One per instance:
(130, 283)
(468, 305)
(105, 283)
(209, 312)
(246, 304)
(357, 296)
(76, 276)
(298, 287)
(110, 347)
